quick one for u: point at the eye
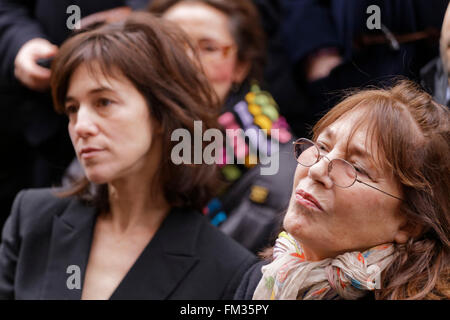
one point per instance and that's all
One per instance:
(322, 147)
(362, 171)
(71, 109)
(104, 102)
(208, 46)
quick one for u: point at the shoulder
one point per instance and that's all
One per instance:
(36, 207)
(249, 282)
(225, 256)
(46, 197)
(197, 236)
(221, 261)
(212, 241)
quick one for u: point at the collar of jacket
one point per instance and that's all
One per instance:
(164, 262)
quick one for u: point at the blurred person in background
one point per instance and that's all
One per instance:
(278, 74)
(230, 41)
(436, 74)
(334, 45)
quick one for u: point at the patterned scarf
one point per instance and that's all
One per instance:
(347, 276)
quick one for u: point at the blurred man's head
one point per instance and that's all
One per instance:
(445, 42)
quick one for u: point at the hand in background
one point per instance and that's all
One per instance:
(320, 63)
(27, 70)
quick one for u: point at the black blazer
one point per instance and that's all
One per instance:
(187, 258)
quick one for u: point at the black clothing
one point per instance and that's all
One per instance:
(250, 281)
(310, 25)
(186, 259)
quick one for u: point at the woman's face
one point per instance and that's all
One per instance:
(209, 29)
(353, 218)
(109, 125)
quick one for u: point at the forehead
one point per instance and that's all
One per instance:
(350, 127)
(353, 134)
(200, 20)
(89, 76)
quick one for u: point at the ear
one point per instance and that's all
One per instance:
(401, 237)
(157, 127)
(241, 71)
(407, 231)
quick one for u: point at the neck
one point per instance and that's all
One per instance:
(315, 253)
(134, 201)
(312, 255)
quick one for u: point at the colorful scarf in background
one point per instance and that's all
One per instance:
(347, 276)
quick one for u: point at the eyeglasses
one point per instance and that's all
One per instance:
(341, 172)
(214, 51)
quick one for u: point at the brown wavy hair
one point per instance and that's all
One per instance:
(158, 59)
(245, 27)
(412, 132)
(413, 139)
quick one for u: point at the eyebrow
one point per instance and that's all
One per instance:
(91, 92)
(354, 149)
(328, 133)
(358, 151)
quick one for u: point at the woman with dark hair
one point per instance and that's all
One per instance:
(369, 215)
(130, 229)
(231, 45)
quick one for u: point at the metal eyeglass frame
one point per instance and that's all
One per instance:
(319, 157)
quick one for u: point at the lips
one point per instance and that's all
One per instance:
(89, 152)
(307, 199)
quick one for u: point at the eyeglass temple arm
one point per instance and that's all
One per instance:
(379, 190)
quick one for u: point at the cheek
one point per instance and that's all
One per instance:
(355, 207)
(132, 140)
(300, 173)
(294, 221)
(448, 60)
(364, 219)
(220, 72)
(72, 134)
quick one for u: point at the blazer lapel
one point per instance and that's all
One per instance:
(166, 260)
(70, 244)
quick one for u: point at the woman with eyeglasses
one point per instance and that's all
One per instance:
(229, 40)
(369, 210)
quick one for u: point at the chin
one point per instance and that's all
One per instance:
(97, 180)
(101, 173)
(294, 222)
(97, 177)
(299, 221)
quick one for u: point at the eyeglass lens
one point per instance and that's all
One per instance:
(342, 173)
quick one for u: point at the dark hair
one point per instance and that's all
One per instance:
(245, 26)
(153, 55)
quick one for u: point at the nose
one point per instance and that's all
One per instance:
(319, 172)
(85, 123)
